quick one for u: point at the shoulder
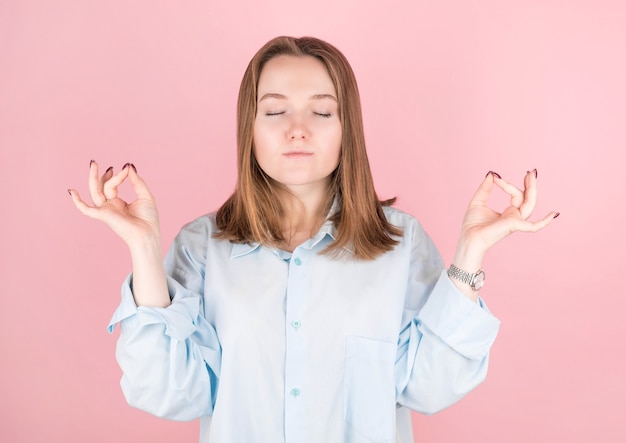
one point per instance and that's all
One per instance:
(197, 233)
(401, 219)
(397, 216)
(194, 241)
(205, 224)
(413, 231)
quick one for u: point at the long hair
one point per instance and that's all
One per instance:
(253, 213)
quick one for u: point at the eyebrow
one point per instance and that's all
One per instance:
(313, 97)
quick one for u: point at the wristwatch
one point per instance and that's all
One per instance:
(475, 280)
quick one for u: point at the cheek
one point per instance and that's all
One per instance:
(260, 139)
(264, 133)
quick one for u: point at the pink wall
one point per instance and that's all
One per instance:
(450, 90)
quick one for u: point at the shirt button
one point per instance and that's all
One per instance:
(297, 261)
(295, 392)
(296, 324)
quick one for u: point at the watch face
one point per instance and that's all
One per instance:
(479, 281)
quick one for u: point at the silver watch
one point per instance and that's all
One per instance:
(475, 280)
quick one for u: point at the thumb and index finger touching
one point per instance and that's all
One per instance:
(129, 171)
(525, 201)
(106, 188)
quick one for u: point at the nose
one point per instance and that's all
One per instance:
(296, 134)
(297, 129)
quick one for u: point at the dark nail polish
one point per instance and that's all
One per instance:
(556, 215)
(109, 169)
(535, 171)
(496, 174)
(133, 166)
(126, 166)
(91, 162)
(69, 191)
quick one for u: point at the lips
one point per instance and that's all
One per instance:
(298, 154)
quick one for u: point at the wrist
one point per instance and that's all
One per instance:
(468, 257)
(145, 247)
(473, 280)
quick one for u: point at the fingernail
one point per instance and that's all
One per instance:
(91, 162)
(556, 215)
(109, 169)
(69, 191)
(494, 173)
(126, 166)
(133, 166)
(535, 171)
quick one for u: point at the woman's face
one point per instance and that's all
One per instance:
(297, 132)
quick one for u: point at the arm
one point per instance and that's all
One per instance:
(443, 350)
(167, 350)
(137, 224)
(444, 346)
(171, 356)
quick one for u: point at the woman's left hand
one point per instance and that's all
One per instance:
(483, 227)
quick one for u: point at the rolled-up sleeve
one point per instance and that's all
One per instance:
(443, 349)
(170, 357)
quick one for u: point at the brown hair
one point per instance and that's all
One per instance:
(253, 212)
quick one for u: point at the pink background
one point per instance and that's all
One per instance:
(450, 89)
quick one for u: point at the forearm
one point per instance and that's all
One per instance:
(163, 375)
(443, 354)
(469, 258)
(149, 281)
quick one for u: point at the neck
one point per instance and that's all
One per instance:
(305, 212)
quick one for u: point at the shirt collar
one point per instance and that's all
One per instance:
(327, 229)
(241, 249)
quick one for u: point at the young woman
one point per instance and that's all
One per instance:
(304, 309)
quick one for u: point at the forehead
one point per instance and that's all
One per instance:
(290, 75)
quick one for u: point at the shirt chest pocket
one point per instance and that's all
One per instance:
(369, 389)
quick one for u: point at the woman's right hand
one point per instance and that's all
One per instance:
(134, 222)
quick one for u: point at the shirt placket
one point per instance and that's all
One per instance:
(295, 354)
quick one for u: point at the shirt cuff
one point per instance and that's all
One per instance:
(127, 307)
(179, 317)
(466, 326)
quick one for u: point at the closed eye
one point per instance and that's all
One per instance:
(321, 114)
(269, 114)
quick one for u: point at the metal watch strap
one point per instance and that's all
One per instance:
(466, 277)
(460, 274)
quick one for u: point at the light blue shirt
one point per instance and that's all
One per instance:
(269, 346)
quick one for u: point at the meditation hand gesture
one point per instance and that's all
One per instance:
(133, 222)
(137, 223)
(483, 227)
